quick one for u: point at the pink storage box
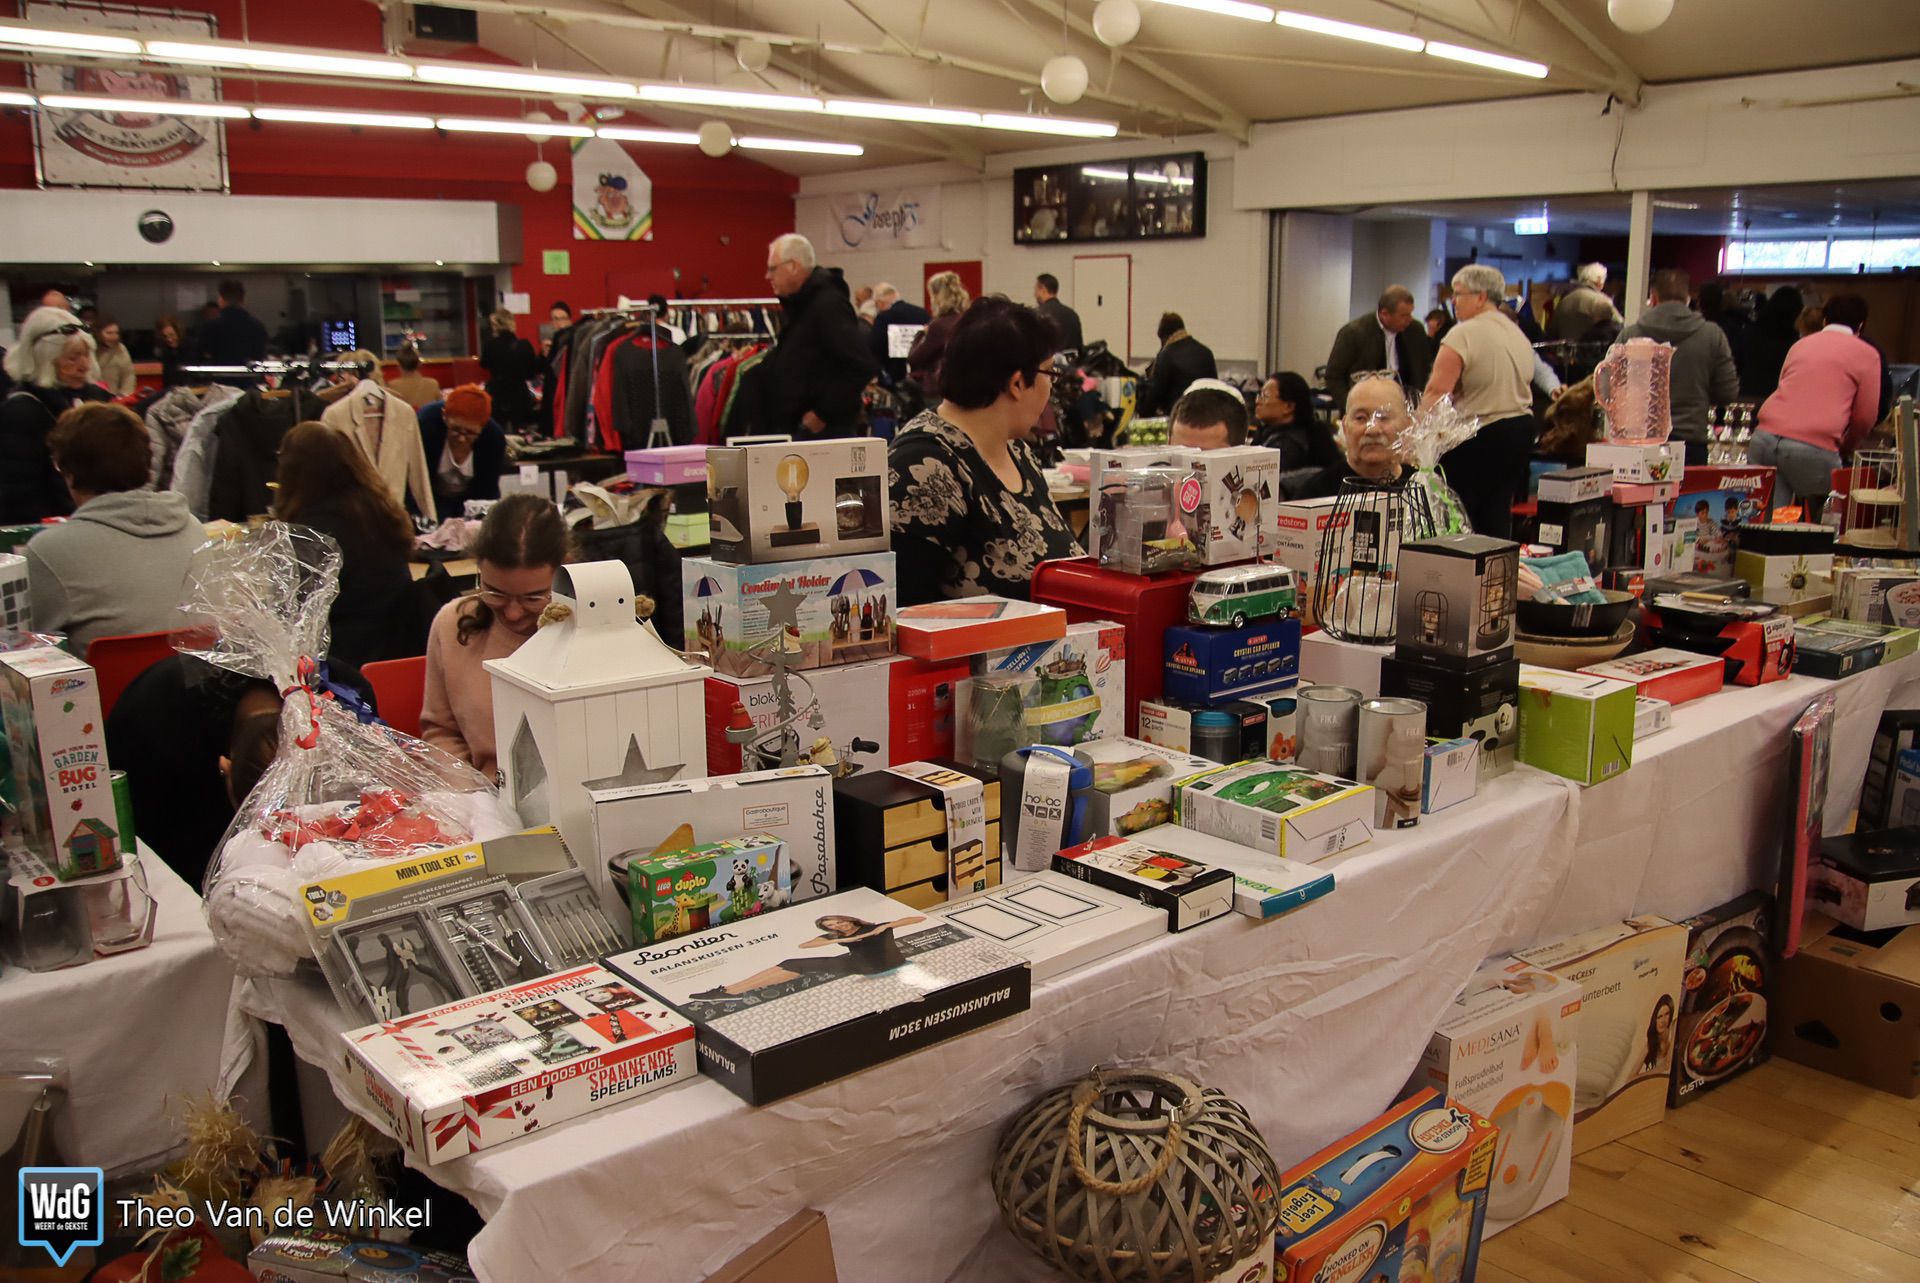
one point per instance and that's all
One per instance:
(671, 465)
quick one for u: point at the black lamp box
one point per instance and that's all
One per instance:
(1481, 704)
(1576, 485)
(1581, 527)
(1455, 600)
(1899, 731)
(1829, 653)
(1722, 1029)
(890, 834)
(1870, 881)
(1793, 539)
(1223, 663)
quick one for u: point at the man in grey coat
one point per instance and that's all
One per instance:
(1704, 374)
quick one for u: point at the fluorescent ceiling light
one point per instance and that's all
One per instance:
(482, 77)
(1349, 31)
(624, 134)
(1094, 171)
(141, 106)
(1051, 125)
(1676, 204)
(911, 112)
(373, 119)
(10, 98)
(705, 96)
(1145, 176)
(801, 145)
(266, 57)
(20, 35)
(1226, 8)
(545, 128)
(1481, 58)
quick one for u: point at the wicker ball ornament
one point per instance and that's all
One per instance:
(1136, 1176)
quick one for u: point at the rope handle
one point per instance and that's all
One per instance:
(1085, 1095)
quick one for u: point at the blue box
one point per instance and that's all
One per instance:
(1222, 663)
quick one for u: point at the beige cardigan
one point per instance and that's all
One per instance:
(401, 460)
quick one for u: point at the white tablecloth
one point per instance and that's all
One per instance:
(1314, 1021)
(139, 1033)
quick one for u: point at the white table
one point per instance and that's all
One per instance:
(1314, 1021)
(140, 1033)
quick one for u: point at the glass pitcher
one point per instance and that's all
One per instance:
(1633, 385)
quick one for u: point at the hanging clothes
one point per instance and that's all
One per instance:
(170, 418)
(388, 431)
(650, 381)
(246, 451)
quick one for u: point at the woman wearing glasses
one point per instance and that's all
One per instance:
(521, 543)
(54, 367)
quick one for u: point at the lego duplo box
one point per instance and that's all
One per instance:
(57, 741)
(1576, 725)
(798, 500)
(841, 609)
(1080, 690)
(678, 893)
(1299, 814)
(854, 728)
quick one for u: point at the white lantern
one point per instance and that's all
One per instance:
(543, 118)
(1116, 21)
(753, 55)
(595, 697)
(541, 176)
(1064, 78)
(1637, 17)
(716, 137)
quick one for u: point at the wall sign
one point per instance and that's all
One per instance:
(106, 148)
(556, 262)
(612, 195)
(899, 218)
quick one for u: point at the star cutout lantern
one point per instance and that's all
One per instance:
(783, 606)
(635, 771)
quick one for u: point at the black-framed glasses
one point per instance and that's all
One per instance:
(72, 328)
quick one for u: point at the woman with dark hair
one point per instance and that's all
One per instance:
(1659, 1036)
(521, 543)
(1773, 332)
(116, 363)
(169, 348)
(971, 512)
(869, 950)
(510, 364)
(327, 483)
(1284, 419)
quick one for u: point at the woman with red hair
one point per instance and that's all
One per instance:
(466, 450)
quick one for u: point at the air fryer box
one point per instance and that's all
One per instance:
(1869, 881)
(1456, 600)
(1723, 1005)
(1849, 1004)
(797, 500)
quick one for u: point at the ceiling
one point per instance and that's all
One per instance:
(1186, 72)
(1890, 207)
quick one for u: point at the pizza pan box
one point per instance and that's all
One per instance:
(966, 626)
(1651, 716)
(814, 992)
(1630, 977)
(1055, 922)
(1264, 886)
(1848, 1004)
(857, 709)
(1298, 814)
(1722, 1031)
(1133, 783)
(1575, 485)
(1145, 605)
(798, 500)
(1833, 653)
(1870, 881)
(1757, 649)
(320, 1256)
(489, 1069)
(1188, 891)
(1675, 676)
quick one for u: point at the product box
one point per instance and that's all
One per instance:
(1144, 520)
(1403, 1198)
(1757, 648)
(798, 500)
(1639, 540)
(1450, 774)
(1169, 724)
(1300, 814)
(1301, 526)
(489, 1069)
(1283, 722)
(1785, 564)
(1576, 725)
(1675, 676)
(1834, 652)
(893, 832)
(1456, 600)
(1580, 527)
(967, 626)
(1104, 465)
(1869, 881)
(1639, 464)
(1133, 783)
(841, 718)
(671, 465)
(1325, 660)
(1877, 595)
(57, 741)
(1575, 485)
(1264, 886)
(921, 703)
(1630, 494)
(319, 1256)
(1080, 687)
(1651, 716)
(1481, 704)
(1145, 605)
(1898, 731)
(1505, 1050)
(1233, 509)
(677, 893)
(1055, 922)
(1898, 643)
(1188, 891)
(1849, 1004)
(1630, 976)
(1722, 1031)
(1713, 503)
(835, 610)
(1904, 809)
(1208, 664)
(818, 991)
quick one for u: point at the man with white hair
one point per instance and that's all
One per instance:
(1584, 306)
(894, 311)
(53, 366)
(811, 383)
(1486, 365)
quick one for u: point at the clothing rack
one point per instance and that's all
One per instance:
(658, 433)
(270, 367)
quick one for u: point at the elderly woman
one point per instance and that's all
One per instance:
(1377, 413)
(950, 299)
(1486, 365)
(54, 369)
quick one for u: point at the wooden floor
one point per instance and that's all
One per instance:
(1782, 1176)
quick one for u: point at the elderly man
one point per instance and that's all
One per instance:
(1584, 306)
(1210, 416)
(812, 381)
(1377, 413)
(1386, 339)
(894, 310)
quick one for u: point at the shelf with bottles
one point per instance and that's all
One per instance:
(1729, 431)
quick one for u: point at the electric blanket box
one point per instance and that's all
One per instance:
(1640, 464)
(1651, 716)
(319, 1256)
(1505, 1050)
(1264, 886)
(677, 893)
(1722, 1031)
(1080, 690)
(63, 797)
(1835, 652)
(1403, 1198)
(1204, 664)
(833, 610)
(1675, 676)
(1450, 774)
(1479, 703)
(1576, 725)
(1295, 813)
(1133, 783)
(841, 718)
(486, 1070)
(1187, 891)
(965, 626)
(1849, 1004)
(814, 992)
(892, 833)
(1055, 922)
(1870, 881)
(1455, 602)
(1581, 527)
(1325, 660)
(1576, 485)
(798, 500)
(1630, 976)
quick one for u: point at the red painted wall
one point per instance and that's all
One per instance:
(712, 218)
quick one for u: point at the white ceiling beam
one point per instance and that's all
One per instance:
(1229, 121)
(1416, 72)
(1505, 43)
(1631, 81)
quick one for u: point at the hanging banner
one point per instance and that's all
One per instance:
(107, 148)
(612, 195)
(902, 218)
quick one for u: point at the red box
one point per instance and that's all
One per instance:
(1145, 605)
(1757, 651)
(1672, 675)
(960, 627)
(921, 694)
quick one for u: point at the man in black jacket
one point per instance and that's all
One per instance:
(1066, 321)
(1182, 359)
(894, 310)
(812, 381)
(1361, 345)
(234, 337)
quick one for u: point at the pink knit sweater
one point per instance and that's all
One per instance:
(1829, 391)
(457, 714)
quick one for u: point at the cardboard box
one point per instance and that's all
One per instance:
(1146, 606)
(1630, 976)
(1651, 716)
(1080, 690)
(1849, 1005)
(1756, 649)
(1481, 704)
(1898, 731)
(1456, 600)
(1870, 881)
(781, 1005)
(486, 1070)
(1639, 539)
(1581, 527)
(1505, 1050)
(1576, 725)
(1451, 774)
(1713, 503)
(678, 893)
(1787, 578)
(1234, 514)
(1186, 890)
(56, 738)
(1133, 784)
(1905, 807)
(1301, 529)
(1878, 595)
(1264, 886)
(1142, 521)
(1897, 642)
(1104, 465)
(857, 714)
(672, 465)
(1639, 464)
(1404, 1197)
(1301, 815)
(798, 500)
(1576, 485)
(841, 607)
(1208, 664)
(1675, 676)
(799, 1250)
(319, 1256)
(967, 626)
(1169, 723)
(1835, 652)
(1055, 922)
(921, 704)
(1722, 1031)
(891, 830)
(1325, 660)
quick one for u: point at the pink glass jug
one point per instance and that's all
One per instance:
(1634, 386)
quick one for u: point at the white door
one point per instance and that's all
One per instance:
(1103, 295)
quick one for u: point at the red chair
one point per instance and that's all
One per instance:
(116, 661)
(399, 690)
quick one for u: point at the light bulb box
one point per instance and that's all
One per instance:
(1221, 663)
(1133, 783)
(1291, 812)
(1188, 891)
(1575, 725)
(1722, 1030)
(1505, 1050)
(1639, 464)
(1264, 885)
(56, 739)
(843, 610)
(1481, 704)
(1455, 601)
(798, 500)
(853, 730)
(1870, 881)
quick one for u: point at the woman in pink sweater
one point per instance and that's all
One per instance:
(1828, 399)
(521, 543)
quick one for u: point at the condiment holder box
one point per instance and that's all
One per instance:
(835, 610)
(798, 500)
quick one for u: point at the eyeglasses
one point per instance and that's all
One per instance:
(1034, 375)
(498, 600)
(71, 328)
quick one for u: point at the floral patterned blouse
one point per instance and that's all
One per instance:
(957, 530)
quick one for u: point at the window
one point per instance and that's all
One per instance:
(1852, 254)
(1772, 255)
(1875, 255)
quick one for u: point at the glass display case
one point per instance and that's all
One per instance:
(1146, 198)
